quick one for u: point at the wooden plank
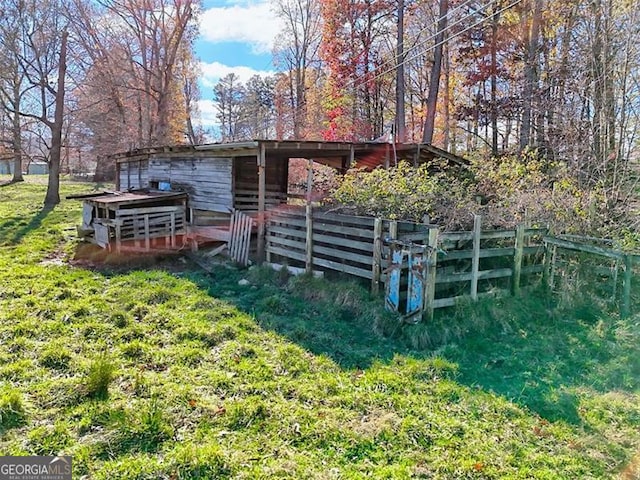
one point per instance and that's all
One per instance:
(365, 260)
(290, 232)
(240, 236)
(347, 243)
(210, 206)
(377, 255)
(174, 221)
(309, 232)
(340, 267)
(493, 234)
(287, 253)
(475, 258)
(625, 307)
(351, 231)
(517, 259)
(466, 276)
(123, 212)
(430, 290)
(605, 252)
(483, 253)
(348, 219)
(291, 222)
(285, 242)
(262, 188)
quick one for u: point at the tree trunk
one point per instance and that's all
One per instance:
(494, 84)
(53, 188)
(401, 130)
(530, 74)
(16, 132)
(434, 85)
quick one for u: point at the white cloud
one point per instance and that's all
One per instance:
(208, 113)
(212, 72)
(253, 23)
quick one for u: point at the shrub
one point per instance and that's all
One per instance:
(505, 191)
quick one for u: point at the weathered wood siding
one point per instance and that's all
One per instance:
(134, 175)
(208, 181)
(246, 183)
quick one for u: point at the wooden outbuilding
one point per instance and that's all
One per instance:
(249, 176)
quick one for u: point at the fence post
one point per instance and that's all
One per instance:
(377, 255)
(517, 259)
(308, 264)
(614, 277)
(625, 309)
(475, 259)
(393, 229)
(430, 290)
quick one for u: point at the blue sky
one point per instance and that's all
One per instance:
(235, 36)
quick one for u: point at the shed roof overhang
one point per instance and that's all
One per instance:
(365, 154)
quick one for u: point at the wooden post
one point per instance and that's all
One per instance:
(517, 259)
(475, 259)
(118, 235)
(546, 265)
(173, 229)
(147, 240)
(352, 158)
(377, 255)
(625, 308)
(308, 264)
(614, 277)
(261, 200)
(430, 290)
(393, 229)
(552, 267)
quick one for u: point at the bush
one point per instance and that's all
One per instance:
(505, 191)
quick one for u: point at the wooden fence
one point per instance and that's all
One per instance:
(460, 264)
(569, 246)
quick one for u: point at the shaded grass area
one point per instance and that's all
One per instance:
(169, 372)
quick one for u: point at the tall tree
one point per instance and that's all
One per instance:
(229, 93)
(138, 55)
(354, 51)
(434, 83)
(531, 66)
(41, 56)
(401, 133)
(12, 82)
(297, 52)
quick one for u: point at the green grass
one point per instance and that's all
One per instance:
(146, 370)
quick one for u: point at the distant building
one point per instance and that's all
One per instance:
(38, 168)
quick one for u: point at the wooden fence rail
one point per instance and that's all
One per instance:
(624, 259)
(460, 265)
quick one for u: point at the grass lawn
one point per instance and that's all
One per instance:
(157, 369)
